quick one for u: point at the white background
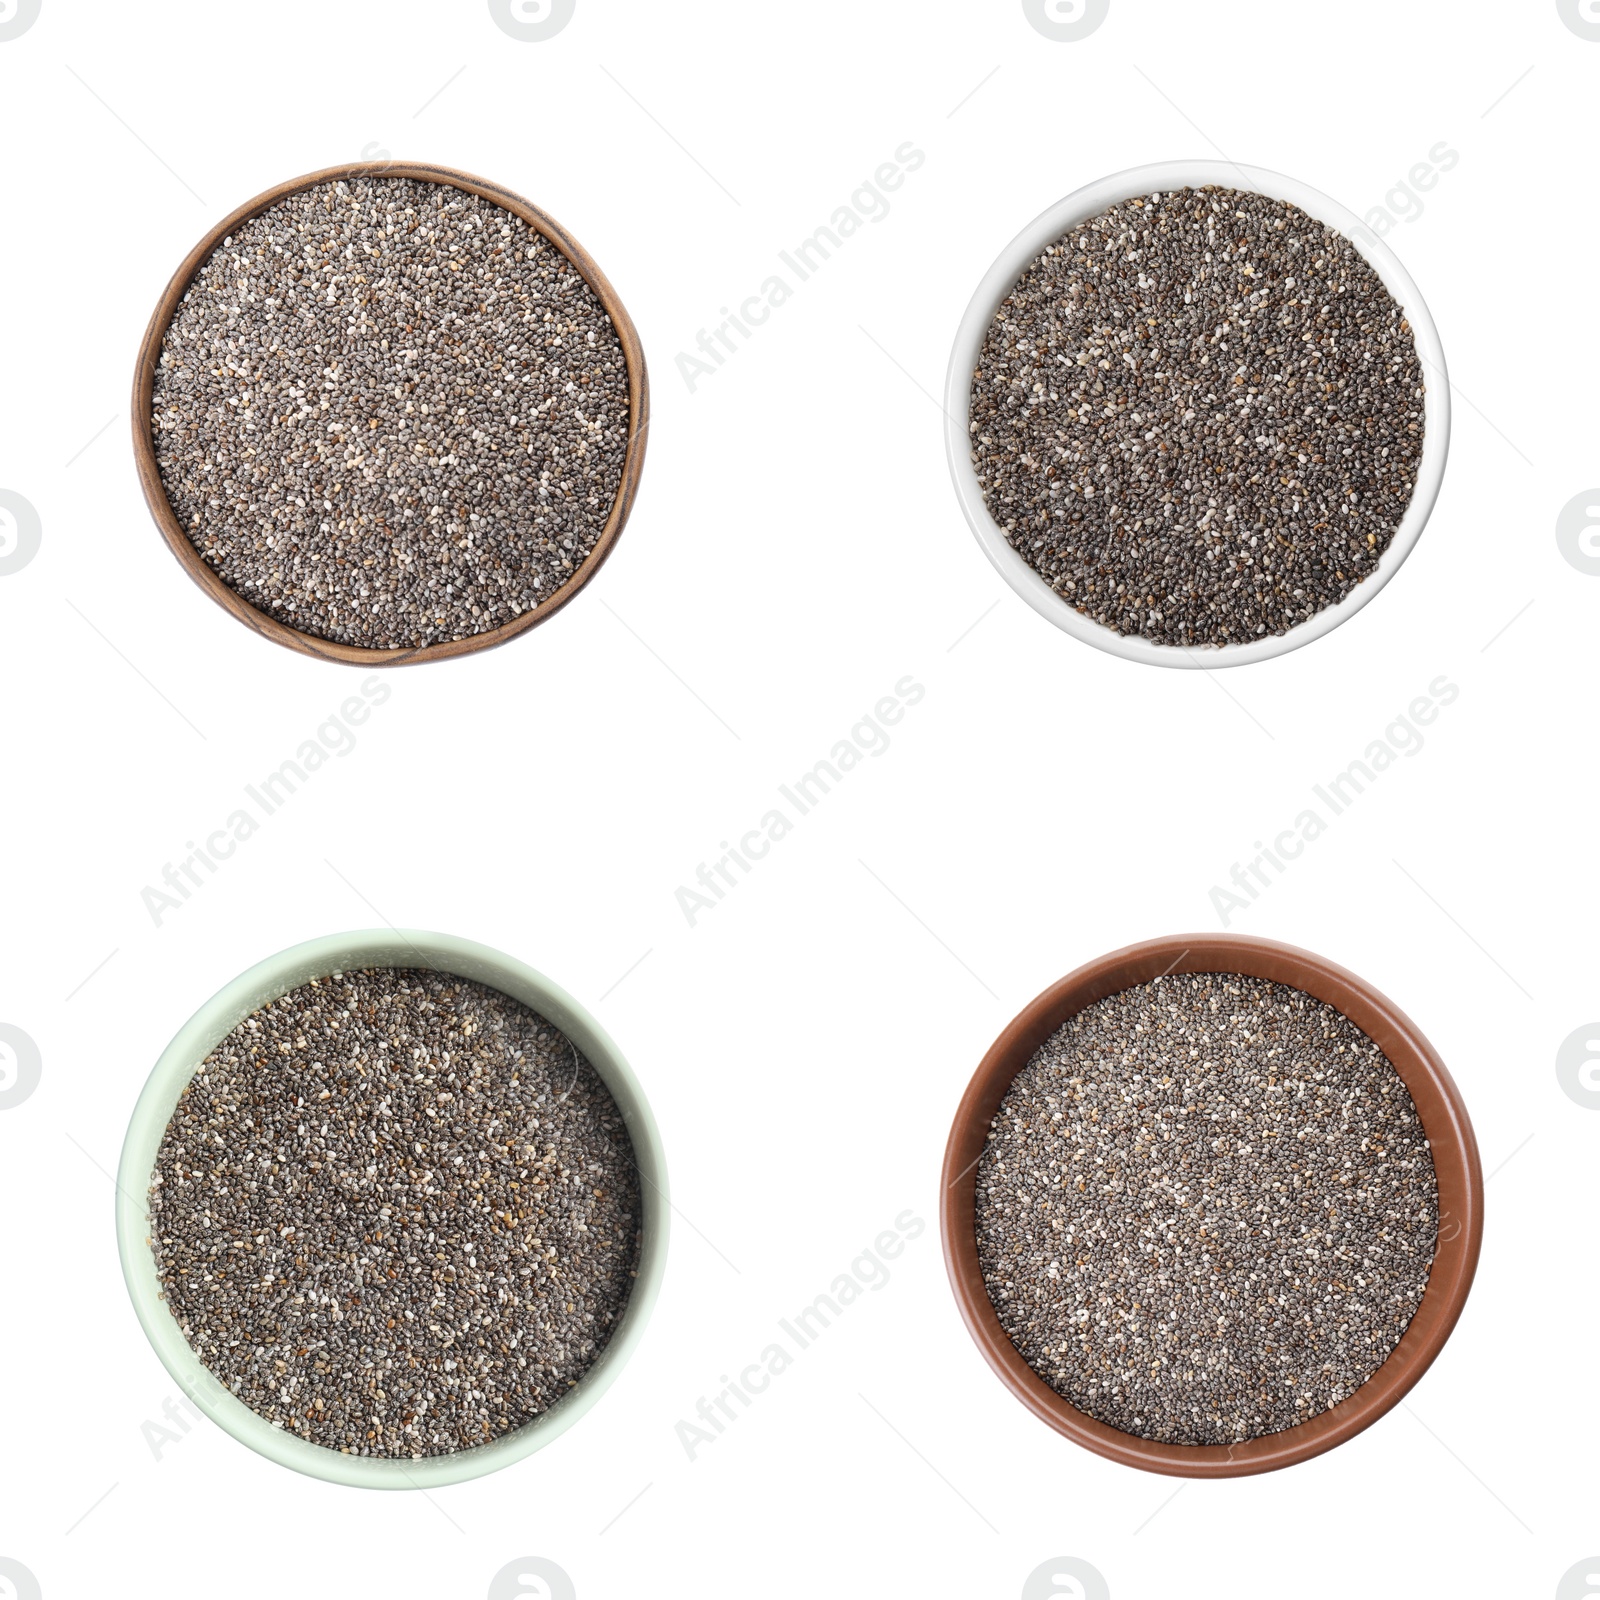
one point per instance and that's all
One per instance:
(795, 549)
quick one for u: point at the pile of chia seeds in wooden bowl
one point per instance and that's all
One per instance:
(389, 413)
(1206, 1210)
(1198, 416)
(396, 1213)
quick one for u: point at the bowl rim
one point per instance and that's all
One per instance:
(1089, 201)
(1445, 1122)
(237, 999)
(203, 574)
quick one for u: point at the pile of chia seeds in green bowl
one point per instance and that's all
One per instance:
(1207, 1209)
(396, 1213)
(389, 413)
(1198, 416)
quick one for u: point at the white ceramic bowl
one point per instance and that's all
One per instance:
(1088, 202)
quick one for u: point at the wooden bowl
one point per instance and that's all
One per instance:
(1444, 1120)
(327, 649)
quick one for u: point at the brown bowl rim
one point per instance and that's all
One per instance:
(1444, 1120)
(328, 649)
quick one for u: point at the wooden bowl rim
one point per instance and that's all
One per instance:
(328, 649)
(1445, 1122)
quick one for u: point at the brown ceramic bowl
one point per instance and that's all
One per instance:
(1444, 1119)
(327, 649)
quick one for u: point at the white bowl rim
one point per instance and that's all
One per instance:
(267, 980)
(1093, 198)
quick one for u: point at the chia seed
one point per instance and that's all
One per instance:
(1198, 416)
(1206, 1210)
(389, 413)
(396, 1213)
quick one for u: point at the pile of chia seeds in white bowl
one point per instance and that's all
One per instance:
(388, 413)
(1198, 416)
(396, 1213)
(1206, 1210)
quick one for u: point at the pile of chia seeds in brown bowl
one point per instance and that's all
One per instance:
(1206, 1210)
(396, 1214)
(1198, 416)
(389, 414)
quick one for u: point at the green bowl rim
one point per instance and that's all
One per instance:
(266, 981)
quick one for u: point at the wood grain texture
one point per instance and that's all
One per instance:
(1444, 1120)
(144, 447)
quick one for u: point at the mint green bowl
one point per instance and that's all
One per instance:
(217, 1018)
